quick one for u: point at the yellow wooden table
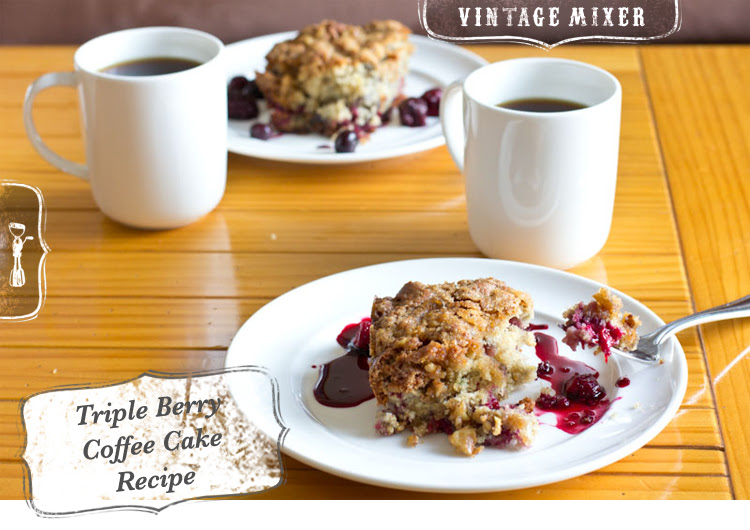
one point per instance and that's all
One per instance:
(120, 302)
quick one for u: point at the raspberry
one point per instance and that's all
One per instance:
(584, 388)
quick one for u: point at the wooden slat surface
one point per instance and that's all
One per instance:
(704, 131)
(269, 274)
(121, 302)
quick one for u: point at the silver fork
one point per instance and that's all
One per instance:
(648, 345)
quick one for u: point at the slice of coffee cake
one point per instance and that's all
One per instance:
(444, 356)
(335, 76)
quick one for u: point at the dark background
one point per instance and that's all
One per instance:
(75, 21)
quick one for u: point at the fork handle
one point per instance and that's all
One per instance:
(738, 309)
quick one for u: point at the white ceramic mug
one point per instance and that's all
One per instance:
(156, 146)
(540, 187)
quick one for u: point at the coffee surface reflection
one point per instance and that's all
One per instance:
(541, 105)
(151, 66)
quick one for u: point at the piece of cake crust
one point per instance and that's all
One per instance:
(600, 324)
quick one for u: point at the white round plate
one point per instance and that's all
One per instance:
(298, 330)
(433, 63)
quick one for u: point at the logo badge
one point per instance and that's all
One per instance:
(23, 251)
(548, 24)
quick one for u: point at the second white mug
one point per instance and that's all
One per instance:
(156, 145)
(540, 186)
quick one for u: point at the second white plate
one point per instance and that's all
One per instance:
(433, 63)
(298, 330)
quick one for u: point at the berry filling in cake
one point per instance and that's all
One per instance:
(600, 324)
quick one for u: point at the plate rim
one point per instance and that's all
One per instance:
(566, 473)
(350, 158)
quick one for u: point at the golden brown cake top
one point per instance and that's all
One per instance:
(322, 46)
(426, 331)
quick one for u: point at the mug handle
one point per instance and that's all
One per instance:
(451, 119)
(42, 83)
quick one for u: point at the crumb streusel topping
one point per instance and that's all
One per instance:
(334, 75)
(443, 356)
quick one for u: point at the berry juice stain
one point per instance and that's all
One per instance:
(344, 381)
(622, 382)
(579, 400)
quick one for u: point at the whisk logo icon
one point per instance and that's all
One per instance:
(17, 277)
(23, 251)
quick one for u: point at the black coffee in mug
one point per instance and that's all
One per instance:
(541, 105)
(151, 66)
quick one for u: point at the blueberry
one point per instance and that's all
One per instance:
(242, 109)
(346, 142)
(432, 98)
(240, 89)
(255, 90)
(261, 131)
(413, 112)
(237, 85)
(241, 102)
